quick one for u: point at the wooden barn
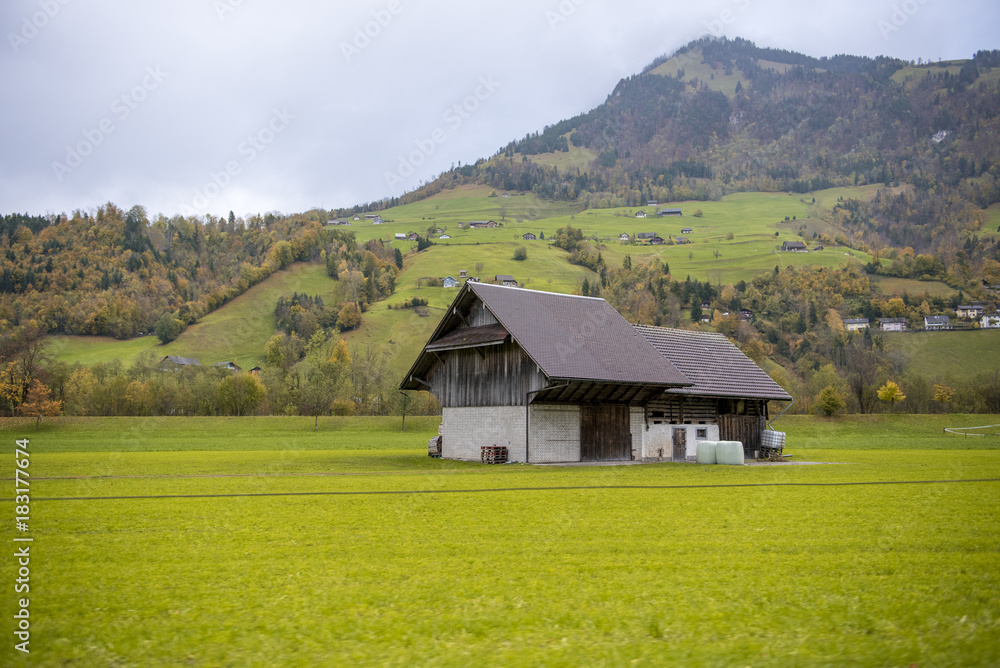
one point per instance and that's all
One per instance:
(563, 378)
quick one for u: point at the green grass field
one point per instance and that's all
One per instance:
(367, 552)
(948, 354)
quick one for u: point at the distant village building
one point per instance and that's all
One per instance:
(623, 237)
(529, 237)
(656, 241)
(669, 212)
(746, 314)
(505, 279)
(230, 366)
(476, 224)
(511, 368)
(640, 214)
(449, 282)
(794, 247)
(855, 324)
(892, 324)
(255, 371)
(175, 363)
(645, 235)
(971, 311)
(818, 248)
(413, 236)
(462, 273)
(990, 322)
(687, 230)
(444, 236)
(933, 322)
(652, 202)
(401, 236)
(338, 221)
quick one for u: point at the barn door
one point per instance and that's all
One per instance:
(605, 433)
(680, 445)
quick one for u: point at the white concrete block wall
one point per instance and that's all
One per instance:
(465, 430)
(658, 440)
(555, 433)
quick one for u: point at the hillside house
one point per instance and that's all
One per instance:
(505, 279)
(338, 221)
(477, 224)
(990, 321)
(449, 282)
(656, 241)
(229, 366)
(564, 378)
(377, 220)
(400, 236)
(855, 324)
(818, 248)
(971, 311)
(936, 322)
(652, 202)
(175, 363)
(687, 230)
(669, 212)
(746, 314)
(645, 235)
(794, 247)
(444, 236)
(640, 214)
(462, 273)
(529, 236)
(892, 324)
(413, 236)
(623, 237)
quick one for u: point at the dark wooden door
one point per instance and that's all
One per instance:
(605, 433)
(680, 445)
(746, 429)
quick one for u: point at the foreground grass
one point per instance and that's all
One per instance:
(654, 565)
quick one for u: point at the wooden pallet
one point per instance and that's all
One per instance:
(493, 454)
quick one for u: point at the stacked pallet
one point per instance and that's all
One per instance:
(494, 454)
(434, 447)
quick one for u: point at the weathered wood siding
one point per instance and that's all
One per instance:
(746, 429)
(682, 410)
(700, 410)
(480, 315)
(487, 376)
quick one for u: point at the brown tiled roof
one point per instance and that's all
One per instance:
(715, 366)
(469, 338)
(578, 338)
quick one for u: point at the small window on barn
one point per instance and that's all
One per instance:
(702, 433)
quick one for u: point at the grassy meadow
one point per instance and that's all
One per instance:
(368, 552)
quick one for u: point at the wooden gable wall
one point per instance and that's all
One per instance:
(497, 375)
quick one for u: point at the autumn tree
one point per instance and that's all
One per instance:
(891, 393)
(830, 401)
(39, 402)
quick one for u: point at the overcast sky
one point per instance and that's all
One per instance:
(207, 106)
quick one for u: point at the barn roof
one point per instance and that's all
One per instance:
(567, 336)
(715, 366)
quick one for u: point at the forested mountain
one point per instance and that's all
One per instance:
(119, 274)
(723, 116)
